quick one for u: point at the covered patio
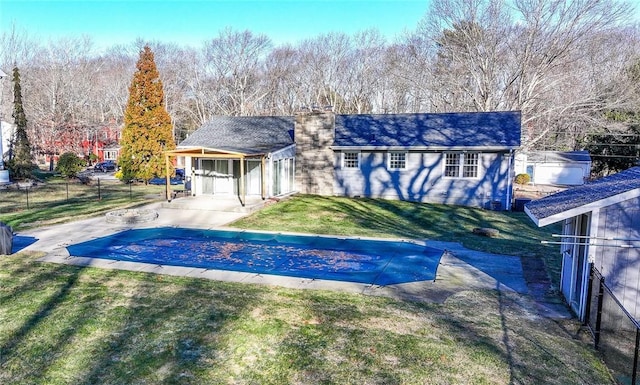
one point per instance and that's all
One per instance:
(214, 171)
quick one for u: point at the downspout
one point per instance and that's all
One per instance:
(509, 185)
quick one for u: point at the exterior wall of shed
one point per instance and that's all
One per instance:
(620, 266)
(423, 181)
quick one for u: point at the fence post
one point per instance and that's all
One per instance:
(596, 333)
(99, 196)
(67, 191)
(635, 358)
(26, 189)
(587, 318)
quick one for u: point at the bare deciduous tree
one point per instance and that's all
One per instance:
(234, 61)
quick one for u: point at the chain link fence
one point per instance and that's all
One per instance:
(616, 333)
(27, 196)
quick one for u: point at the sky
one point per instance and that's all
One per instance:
(191, 22)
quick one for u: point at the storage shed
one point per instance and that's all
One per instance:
(601, 228)
(570, 168)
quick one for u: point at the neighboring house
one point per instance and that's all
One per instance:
(103, 142)
(570, 168)
(7, 131)
(601, 226)
(454, 158)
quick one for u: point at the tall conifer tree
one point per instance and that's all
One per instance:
(147, 124)
(21, 163)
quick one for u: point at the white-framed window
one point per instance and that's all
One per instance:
(397, 160)
(461, 164)
(110, 155)
(350, 160)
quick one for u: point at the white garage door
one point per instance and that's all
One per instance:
(558, 174)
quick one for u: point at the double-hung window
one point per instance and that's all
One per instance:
(397, 160)
(461, 164)
(350, 160)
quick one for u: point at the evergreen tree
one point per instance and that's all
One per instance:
(21, 163)
(147, 124)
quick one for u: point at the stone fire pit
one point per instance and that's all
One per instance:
(128, 216)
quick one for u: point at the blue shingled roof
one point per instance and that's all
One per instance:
(463, 129)
(579, 196)
(244, 134)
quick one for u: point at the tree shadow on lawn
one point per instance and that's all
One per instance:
(518, 236)
(94, 326)
(435, 221)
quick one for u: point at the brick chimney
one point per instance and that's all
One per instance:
(314, 134)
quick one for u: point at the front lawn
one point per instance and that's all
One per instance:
(63, 324)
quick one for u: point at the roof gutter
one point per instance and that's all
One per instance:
(424, 148)
(579, 210)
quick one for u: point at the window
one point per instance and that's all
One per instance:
(110, 154)
(397, 160)
(452, 165)
(470, 167)
(351, 160)
(461, 165)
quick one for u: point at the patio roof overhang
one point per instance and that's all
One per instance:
(214, 153)
(207, 152)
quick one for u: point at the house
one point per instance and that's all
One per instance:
(103, 142)
(569, 168)
(453, 158)
(260, 148)
(7, 131)
(600, 229)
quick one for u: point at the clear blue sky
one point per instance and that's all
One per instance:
(190, 22)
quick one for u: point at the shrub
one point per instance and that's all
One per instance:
(522, 179)
(69, 164)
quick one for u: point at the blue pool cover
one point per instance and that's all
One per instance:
(376, 262)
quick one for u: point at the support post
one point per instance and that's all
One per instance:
(263, 176)
(167, 194)
(243, 193)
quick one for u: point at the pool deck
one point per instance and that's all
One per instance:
(459, 268)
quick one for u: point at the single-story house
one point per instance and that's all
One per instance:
(600, 228)
(570, 168)
(453, 158)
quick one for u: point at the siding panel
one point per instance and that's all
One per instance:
(423, 181)
(621, 266)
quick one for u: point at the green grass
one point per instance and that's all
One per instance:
(393, 219)
(61, 200)
(70, 325)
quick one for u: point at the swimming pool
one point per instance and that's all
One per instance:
(378, 262)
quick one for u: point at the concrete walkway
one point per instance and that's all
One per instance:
(459, 269)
